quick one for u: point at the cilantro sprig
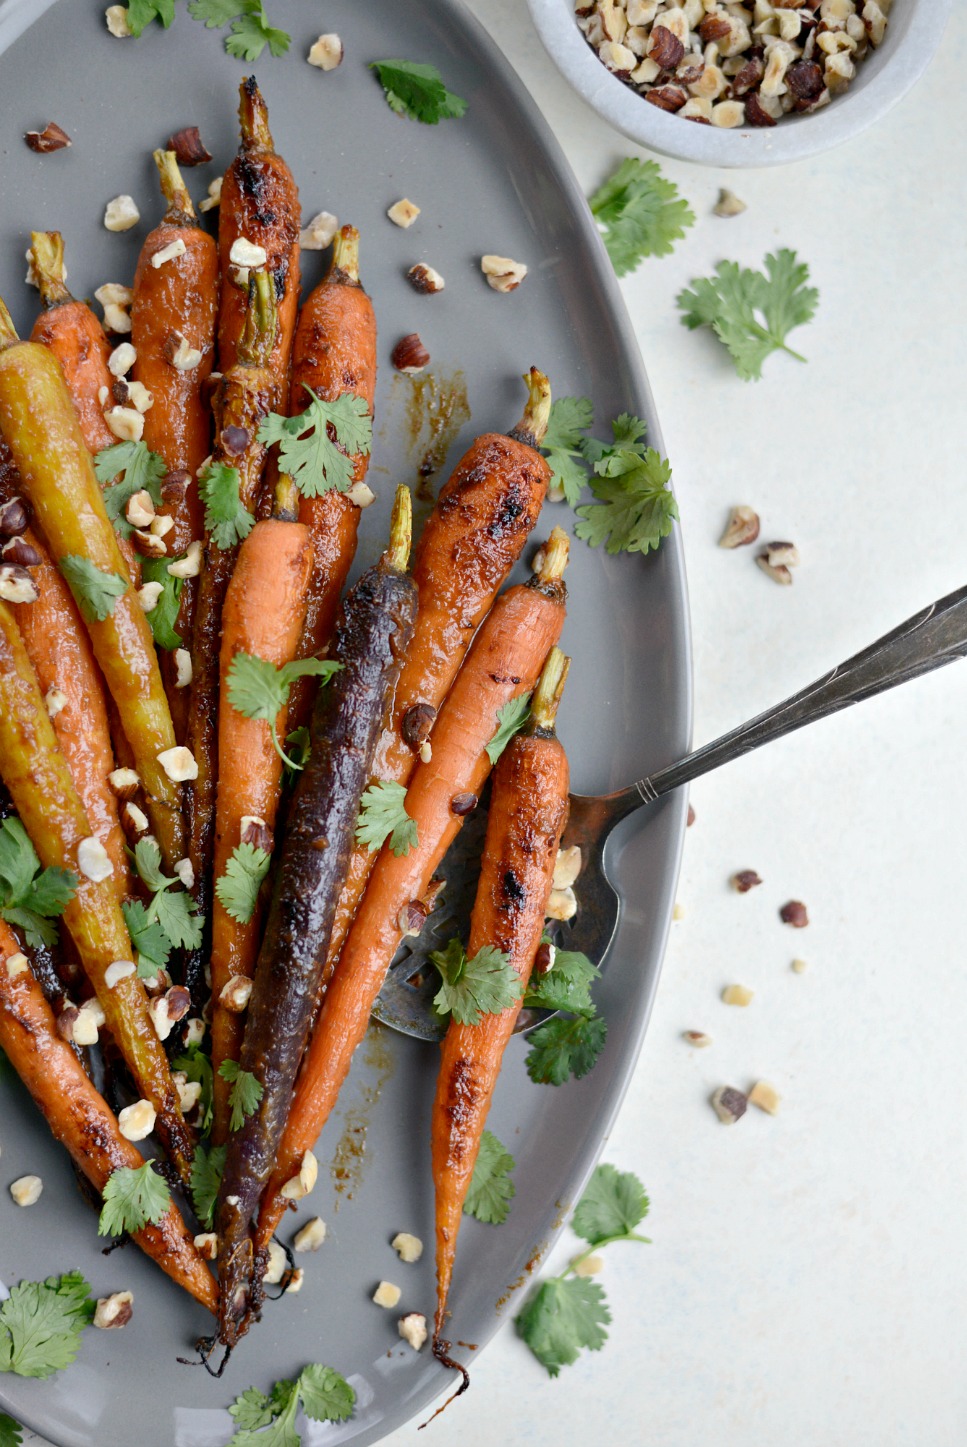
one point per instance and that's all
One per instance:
(317, 448)
(417, 90)
(382, 816)
(207, 1168)
(95, 591)
(260, 690)
(31, 898)
(569, 1313)
(238, 888)
(141, 13)
(752, 312)
(269, 1420)
(172, 911)
(563, 445)
(227, 519)
(123, 470)
(564, 1047)
(491, 1189)
(163, 616)
(250, 30)
(640, 213)
(566, 986)
(510, 720)
(133, 1199)
(245, 1094)
(470, 988)
(11, 1434)
(41, 1324)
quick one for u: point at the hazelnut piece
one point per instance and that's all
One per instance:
(742, 528)
(794, 913)
(410, 356)
(188, 146)
(52, 138)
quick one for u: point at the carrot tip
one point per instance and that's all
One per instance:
(549, 690)
(345, 257)
(46, 254)
(554, 557)
(173, 187)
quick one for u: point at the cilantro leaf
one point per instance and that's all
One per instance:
(635, 509)
(164, 614)
(752, 312)
(251, 33)
(566, 986)
(416, 90)
(259, 690)
(317, 448)
(141, 13)
(326, 1396)
(147, 861)
(196, 1065)
(491, 1188)
(561, 1317)
(31, 897)
(611, 1207)
(269, 1421)
(226, 518)
(510, 720)
(206, 1179)
(484, 985)
(383, 815)
(214, 12)
(10, 1434)
(252, 1410)
(562, 445)
(95, 591)
(562, 1048)
(151, 944)
(299, 745)
(129, 467)
(245, 1094)
(18, 861)
(41, 1324)
(640, 213)
(238, 888)
(174, 911)
(133, 1199)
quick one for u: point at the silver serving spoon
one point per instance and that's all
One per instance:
(927, 641)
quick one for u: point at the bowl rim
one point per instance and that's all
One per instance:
(921, 32)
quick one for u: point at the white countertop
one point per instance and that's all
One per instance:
(808, 1280)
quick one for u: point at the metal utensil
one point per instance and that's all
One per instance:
(930, 639)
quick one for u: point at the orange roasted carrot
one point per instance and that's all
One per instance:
(259, 204)
(263, 615)
(528, 812)
(79, 1118)
(504, 662)
(474, 535)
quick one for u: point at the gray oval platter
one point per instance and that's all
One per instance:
(493, 181)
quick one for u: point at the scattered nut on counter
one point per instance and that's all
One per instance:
(794, 913)
(745, 880)
(765, 1096)
(799, 967)
(737, 995)
(698, 1038)
(741, 529)
(729, 1104)
(776, 560)
(729, 204)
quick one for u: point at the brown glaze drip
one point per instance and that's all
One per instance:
(349, 1158)
(436, 409)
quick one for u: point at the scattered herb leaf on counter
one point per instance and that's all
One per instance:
(173, 910)
(238, 888)
(41, 1324)
(567, 1313)
(561, 1048)
(10, 1433)
(206, 1179)
(640, 213)
(563, 445)
(141, 13)
(510, 720)
(95, 592)
(325, 1396)
(566, 986)
(226, 517)
(259, 690)
(123, 470)
(317, 448)
(491, 1189)
(382, 816)
(29, 896)
(163, 616)
(416, 90)
(250, 32)
(245, 1094)
(752, 312)
(483, 985)
(197, 1066)
(133, 1199)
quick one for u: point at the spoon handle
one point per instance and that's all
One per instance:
(930, 639)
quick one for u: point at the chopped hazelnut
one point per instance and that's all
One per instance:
(741, 529)
(171, 252)
(794, 913)
(52, 138)
(183, 670)
(782, 555)
(588, 1266)
(93, 860)
(296, 1282)
(188, 146)
(214, 197)
(134, 820)
(502, 274)
(117, 21)
(18, 550)
(17, 964)
(116, 319)
(179, 764)
(745, 880)
(127, 423)
(413, 1329)
(326, 53)
(765, 1096)
(27, 1190)
(318, 233)
(729, 1104)
(117, 971)
(13, 518)
(247, 254)
(361, 494)
(113, 1312)
(161, 525)
(410, 355)
(277, 1265)
(56, 700)
(408, 1248)
(138, 395)
(140, 509)
(190, 565)
(562, 904)
(206, 1244)
(779, 574)
(236, 994)
(186, 873)
(403, 213)
(799, 967)
(739, 995)
(312, 1235)
(189, 1093)
(121, 214)
(697, 1038)
(387, 1295)
(136, 1122)
(729, 204)
(16, 584)
(678, 911)
(179, 352)
(149, 595)
(425, 279)
(194, 1032)
(568, 866)
(90, 1017)
(301, 1185)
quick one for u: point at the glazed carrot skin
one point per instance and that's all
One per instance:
(260, 203)
(39, 424)
(80, 1119)
(263, 616)
(477, 531)
(40, 785)
(504, 661)
(528, 813)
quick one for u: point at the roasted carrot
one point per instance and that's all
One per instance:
(334, 352)
(79, 1118)
(374, 628)
(40, 785)
(259, 204)
(263, 616)
(504, 662)
(39, 425)
(528, 812)
(474, 535)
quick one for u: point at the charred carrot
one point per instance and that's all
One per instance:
(504, 662)
(374, 628)
(474, 536)
(40, 785)
(260, 205)
(39, 424)
(528, 812)
(79, 1118)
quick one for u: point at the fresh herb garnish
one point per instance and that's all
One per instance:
(95, 591)
(568, 1313)
(133, 1199)
(563, 445)
(416, 90)
(10, 1432)
(250, 31)
(325, 1396)
(173, 910)
(491, 1189)
(561, 1048)
(298, 747)
(196, 1065)
(238, 888)
(163, 616)
(752, 312)
(41, 1324)
(382, 816)
(226, 518)
(245, 1094)
(317, 448)
(566, 986)
(510, 720)
(259, 690)
(128, 467)
(141, 13)
(640, 213)
(30, 897)
(206, 1179)
(483, 985)
(151, 944)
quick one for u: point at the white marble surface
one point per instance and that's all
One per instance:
(808, 1280)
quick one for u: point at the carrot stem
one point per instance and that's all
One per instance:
(400, 530)
(173, 187)
(547, 694)
(533, 425)
(261, 318)
(344, 270)
(554, 556)
(47, 256)
(285, 504)
(253, 116)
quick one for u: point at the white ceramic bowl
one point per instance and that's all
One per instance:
(913, 36)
